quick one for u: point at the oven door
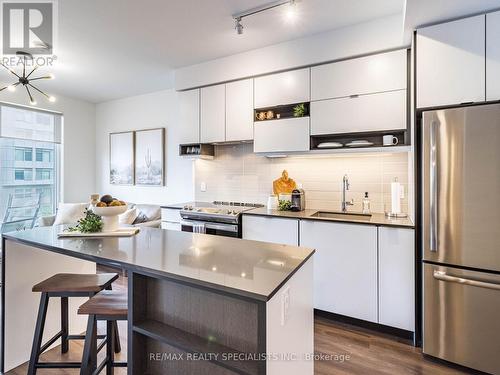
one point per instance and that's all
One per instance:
(207, 227)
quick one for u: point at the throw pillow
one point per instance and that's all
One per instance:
(128, 217)
(70, 213)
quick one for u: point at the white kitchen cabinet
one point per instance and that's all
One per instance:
(213, 114)
(270, 229)
(397, 277)
(373, 112)
(282, 88)
(239, 110)
(451, 62)
(281, 135)
(170, 219)
(345, 267)
(189, 116)
(493, 56)
(364, 75)
(170, 226)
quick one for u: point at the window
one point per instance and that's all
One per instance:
(43, 155)
(24, 174)
(43, 174)
(24, 153)
(30, 173)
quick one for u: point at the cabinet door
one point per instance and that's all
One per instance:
(373, 112)
(345, 267)
(239, 110)
(271, 229)
(282, 88)
(171, 214)
(450, 63)
(493, 56)
(397, 278)
(189, 116)
(171, 226)
(365, 75)
(281, 135)
(213, 114)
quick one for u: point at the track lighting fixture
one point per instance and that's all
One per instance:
(238, 26)
(25, 80)
(289, 16)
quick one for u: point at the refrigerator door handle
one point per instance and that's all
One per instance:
(443, 276)
(433, 219)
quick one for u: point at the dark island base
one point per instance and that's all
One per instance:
(181, 329)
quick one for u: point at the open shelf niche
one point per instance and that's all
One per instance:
(373, 137)
(279, 112)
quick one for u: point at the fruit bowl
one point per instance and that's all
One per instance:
(109, 216)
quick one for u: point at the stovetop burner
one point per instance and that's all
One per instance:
(228, 212)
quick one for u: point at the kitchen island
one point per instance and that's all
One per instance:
(197, 303)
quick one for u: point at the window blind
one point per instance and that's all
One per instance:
(28, 123)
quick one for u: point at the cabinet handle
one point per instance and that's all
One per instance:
(443, 276)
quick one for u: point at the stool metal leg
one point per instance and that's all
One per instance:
(64, 325)
(116, 335)
(37, 338)
(89, 360)
(110, 343)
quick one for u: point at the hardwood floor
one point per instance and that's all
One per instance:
(353, 350)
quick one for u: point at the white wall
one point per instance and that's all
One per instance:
(155, 110)
(377, 35)
(78, 142)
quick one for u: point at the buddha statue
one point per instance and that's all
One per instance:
(284, 184)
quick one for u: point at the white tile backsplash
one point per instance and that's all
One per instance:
(237, 174)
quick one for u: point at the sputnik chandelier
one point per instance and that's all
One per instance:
(25, 79)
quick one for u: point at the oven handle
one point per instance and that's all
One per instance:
(216, 226)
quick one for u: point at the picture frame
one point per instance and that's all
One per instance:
(122, 158)
(150, 157)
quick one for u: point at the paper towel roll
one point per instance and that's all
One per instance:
(395, 198)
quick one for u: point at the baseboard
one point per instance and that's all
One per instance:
(397, 332)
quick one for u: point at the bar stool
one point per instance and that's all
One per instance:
(108, 305)
(63, 285)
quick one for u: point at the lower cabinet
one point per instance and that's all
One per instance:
(170, 219)
(345, 267)
(396, 263)
(271, 229)
(361, 271)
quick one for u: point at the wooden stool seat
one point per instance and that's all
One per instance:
(76, 283)
(64, 286)
(110, 303)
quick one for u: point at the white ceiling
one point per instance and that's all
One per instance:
(110, 49)
(117, 48)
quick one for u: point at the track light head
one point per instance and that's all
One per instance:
(238, 26)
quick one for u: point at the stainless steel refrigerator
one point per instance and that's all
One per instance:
(461, 235)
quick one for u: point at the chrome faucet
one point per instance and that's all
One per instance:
(345, 186)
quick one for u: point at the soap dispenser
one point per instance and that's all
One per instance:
(366, 204)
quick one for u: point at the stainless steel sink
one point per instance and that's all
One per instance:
(342, 215)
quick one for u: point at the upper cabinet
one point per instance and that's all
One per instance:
(282, 88)
(451, 63)
(239, 110)
(365, 75)
(493, 56)
(285, 135)
(213, 114)
(365, 113)
(189, 116)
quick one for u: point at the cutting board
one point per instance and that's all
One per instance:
(122, 232)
